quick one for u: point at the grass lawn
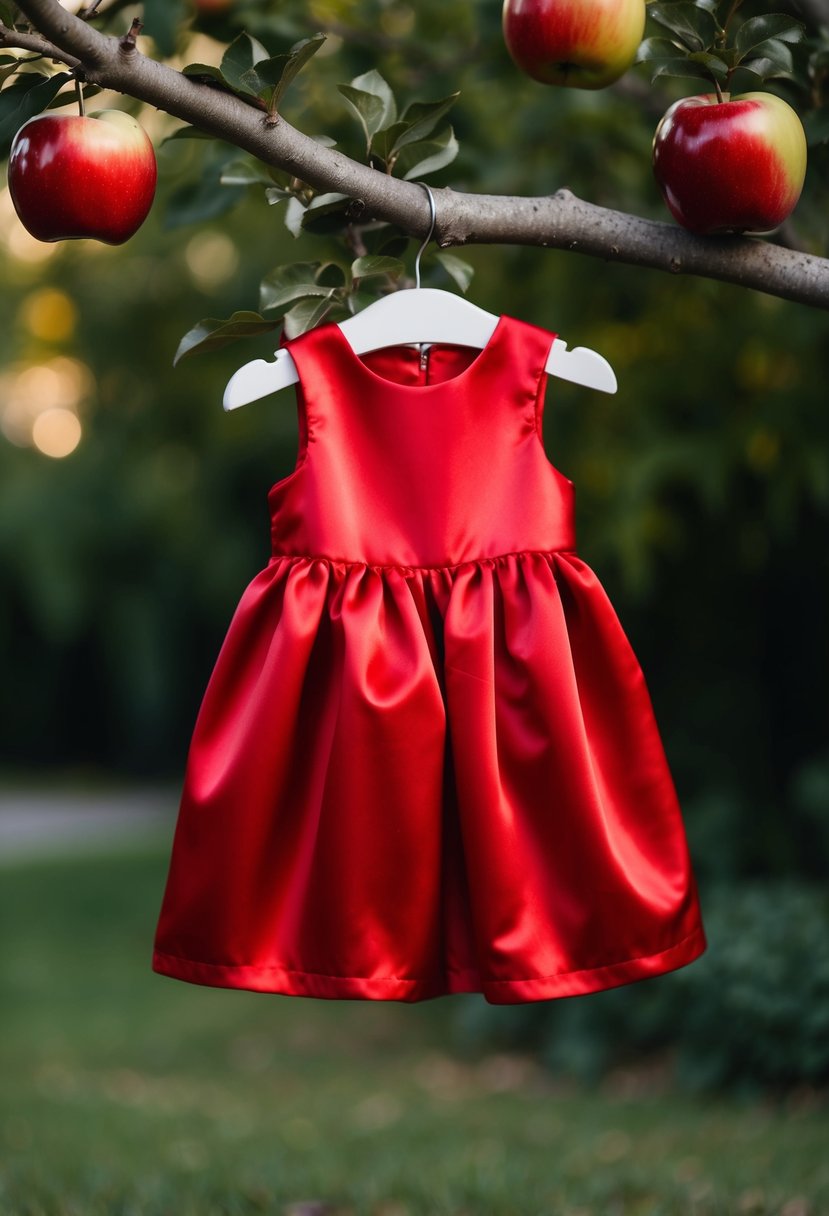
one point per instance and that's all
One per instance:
(127, 1093)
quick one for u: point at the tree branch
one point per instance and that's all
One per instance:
(559, 221)
(66, 32)
(34, 42)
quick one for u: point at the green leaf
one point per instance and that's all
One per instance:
(188, 133)
(421, 118)
(270, 78)
(431, 155)
(371, 265)
(325, 203)
(204, 73)
(729, 56)
(8, 69)
(30, 94)
(277, 194)
(331, 274)
(759, 29)
(384, 142)
(656, 48)
(372, 82)
(325, 208)
(712, 63)
(368, 108)
(242, 54)
(457, 269)
(297, 291)
(281, 177)
(695, 27)
(70, 97)
(294, 215)
(765, 69)
(246, 173)
(204, 70)
(287, 283)
(394, 246)
(306, 314)
(212, 333)
(687, 67)
(300, 55)
(200, 199)
(356, 301)
(262, 79)
(773, 52)
(8, 14)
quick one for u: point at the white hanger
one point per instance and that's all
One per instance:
(420, 316)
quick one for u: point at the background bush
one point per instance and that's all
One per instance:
(751, 1013)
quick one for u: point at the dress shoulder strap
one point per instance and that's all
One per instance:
(526, 347)
(314, 354)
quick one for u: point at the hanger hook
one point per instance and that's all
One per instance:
(430, 233)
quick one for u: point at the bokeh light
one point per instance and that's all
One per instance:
(56, 432)
(212, 258)
(49, 314)
(28, 391)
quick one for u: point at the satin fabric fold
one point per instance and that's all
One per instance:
(426, 761)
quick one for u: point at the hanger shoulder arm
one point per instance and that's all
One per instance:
(258, 379)
(582, 366)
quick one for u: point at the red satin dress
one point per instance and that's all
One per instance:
(426, 761)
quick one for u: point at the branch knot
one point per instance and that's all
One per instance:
(127, 42)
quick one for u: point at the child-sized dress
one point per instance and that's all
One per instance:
(426, 761)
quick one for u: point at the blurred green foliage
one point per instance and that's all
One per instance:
(703, 485)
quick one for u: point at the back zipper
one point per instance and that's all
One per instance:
(424, 358)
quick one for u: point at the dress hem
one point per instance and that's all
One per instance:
(286, 982)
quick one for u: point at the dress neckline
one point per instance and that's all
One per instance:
(482, 357)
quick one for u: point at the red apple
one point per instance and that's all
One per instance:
(735, 165)
(72, 176)
(583, 43)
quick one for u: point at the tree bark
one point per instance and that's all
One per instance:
(560, 221)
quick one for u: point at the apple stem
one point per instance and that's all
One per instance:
(719, 90)
(79, 91)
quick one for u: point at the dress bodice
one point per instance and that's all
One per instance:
(410, 459)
